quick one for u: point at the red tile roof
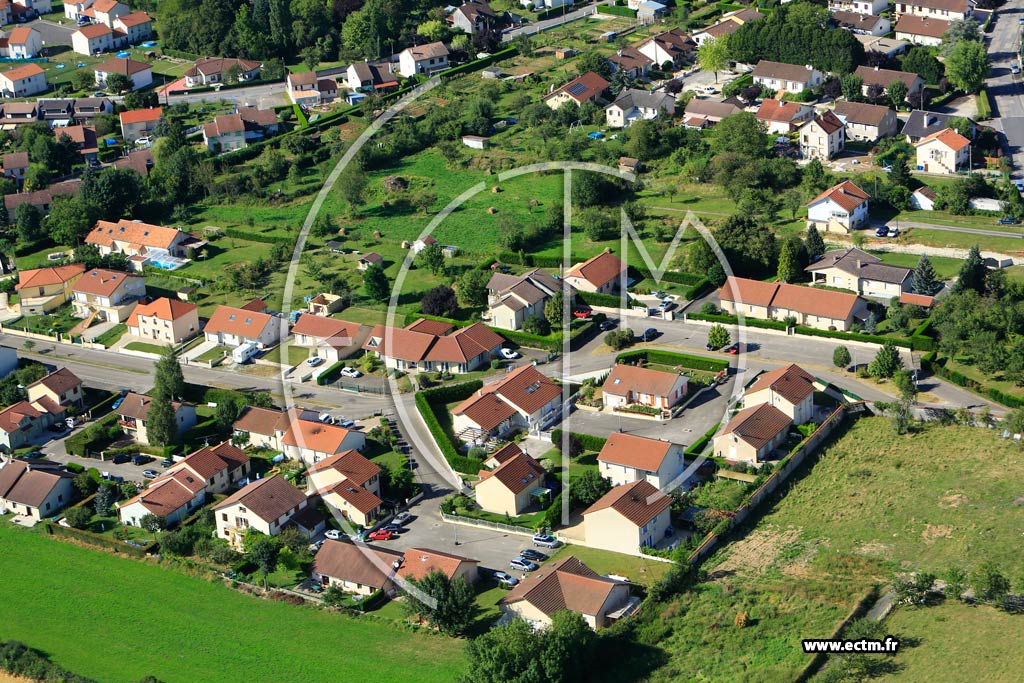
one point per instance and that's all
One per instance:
(948, 137)
(917, 300)
(263, 421)
(486, 411)
(418, 562)
(365, 565)
(792, 382)
(777, 110)
(637, 452)
(758, 425)
(59, 381)
(565, 584)
(20, 72)
(268, 498)
(106, 233)
(238, 322)
(583, 88)
(845, 194)
(599, 270)
(208, 461)
(315, 436)
(810, 300)
(356, 496)
(351, 464)
(28, 484)
(121, 65)
(151, 115)
(135, 19)
(161, 309)
(516, 474)
(625, 378)
(337, 333)
(639, 502)
(39, 277)
(103, 282)
(94, 30)
(921, 26)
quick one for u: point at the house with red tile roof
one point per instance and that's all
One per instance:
(728, 24)
(943, 152)
(812, 307)
(792, 78)
(361, 570)
(753, 434)
(423, 347)
(266, 505)
(626, 458)
(220, 467)
(230, 326)
(139, 122)
(822, 137)
(781, 117)
(568, 584)
(349, 466)
(213, 70)
(106, 11)
(922, 30)
(135, 238)
(512, 487)
(675, 46)
(25, 422)
(139, 73)
(839, 209)
(298, 433)
(790, 389)
(164, 320)
(585, 88)
(24, 42)
(110, 295)
(225, 133)
(631, 385)
(328, 338)
(629, 517)
(137, 27)
(95, 39)
(512, 299)
(354, 503)
(61, 386)
(419, 562)
(23, 81)
(944, 9)
(602, 274)
(423, 59)
(877, 77)
(36, 489)
(522, 399)
(41, 290)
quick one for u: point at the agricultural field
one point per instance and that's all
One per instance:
(872, 504)
(183, 629)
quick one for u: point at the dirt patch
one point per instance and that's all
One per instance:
(933, 532)
(873, 549)
(756, 552)
(953, 500)
(8, 678)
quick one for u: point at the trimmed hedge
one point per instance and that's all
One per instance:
(452, 392)
(984, 108)
(682, 278)
(549, 343)
(614, 10)
(258, 237)
(699, 289)
(371, 601)
(606, 300)
(671, 358)
(79, 444)
(588, 441)
(533, 260)
(330, 374)
(478, 64)
(428, 402)
(300, 117)
(727, 319)
(697, 447)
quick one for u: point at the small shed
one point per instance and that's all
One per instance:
(565, 53)
(474, 141)
(370, 259)
(629, 165)
(491, 73)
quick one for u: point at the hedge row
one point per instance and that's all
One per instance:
(938, 367)
(549, 343)
(727, 319)
(682, 278)
(371, 601)
(613, 10)
(533, 260)
(258, 237)
(431, 400)
(478, 64)
(330, 374)
(452, 392)
(697, 447)
(100, 541)
(698, 290)
(672, 358)
(80, 443)
(300, 117)
(588, 441)
(606, 300)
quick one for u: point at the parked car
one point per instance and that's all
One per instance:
(402, 517)
(333, 534)
(149, 474)
(1014, 69)
(143, 141)
(313, 547)
(1019, 183)
(650, 334)
(665, 304)
(522, 565)
(533, 555)
(734, 349)
(166, 462)
(121, 458)
(506, 580)
(607, 325)
(117, 403)
(545, 541)
(314, 361)
(351, 372)
(509, 354)
(381, 535)
(393, 528)
(882, 231)
(1008, 220)
(660, 295)
(58, 427)
(140, 459)
(893, 232)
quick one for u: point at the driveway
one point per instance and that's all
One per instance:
(52, 33)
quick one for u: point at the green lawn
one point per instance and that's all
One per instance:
(296, 354)
(945, 218)
(143, 346)
(995, 380)
(212, 354)
(113, 335)
(95, 619)
(960, 240)
(59, 320)
(946, 268)
(642, 570)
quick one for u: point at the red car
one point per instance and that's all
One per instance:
(381, 535)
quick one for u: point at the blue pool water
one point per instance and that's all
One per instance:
(124, 54)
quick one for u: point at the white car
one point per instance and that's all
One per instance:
(146, 140)
(350, 372)
(333, 534)
(894, 232)
(314, 361)
(509, 354)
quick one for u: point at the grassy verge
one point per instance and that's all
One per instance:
(143, 346)
(113, 335)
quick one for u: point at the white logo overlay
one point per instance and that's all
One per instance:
(631, 247)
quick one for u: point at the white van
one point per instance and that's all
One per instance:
(244, 353)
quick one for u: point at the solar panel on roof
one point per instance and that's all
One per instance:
(576, 89)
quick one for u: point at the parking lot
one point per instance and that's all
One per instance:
(52, 34)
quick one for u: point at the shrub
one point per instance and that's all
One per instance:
(78, 517)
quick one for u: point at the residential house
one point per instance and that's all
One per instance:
(258, 123)
(370, 258)
(297, 433)
(358, 505)
(327, 88)
(948, 10)
(419, 562)
(348, 466)
(875, 77)
(95, 39)
(626, 458)
(811, 307)
(88, 108)
(134, 411)
(41, 199)
(841, 209)
(631, 385)
(701, 113)
(513, 299)
(40, 290)
(674, 46)
(135, 238)
(603, 274)
(109, 295)
(637, 105)
(781, 117)
(944, 152)
(140, 161)
(511, 487)
(139, 122)
(58, 112)
(106, 11)
(165, 321)
(26, 10)
(866, 122)
(362, 570)
(920, 124)
(631, 62)
(328, 338)
(225, 133)
(25, 422)
(325, 304)
(921, 30)
(369, 77)
(753, 434)
(214, 70)
(422, 243)
(921, 300)
(629, 517)
(728, 24)
(24, 42)
(266, 505)
(17, 113)
(15, 165)
(137, 27)
(23, 81)
(822, 137)
(62, 387)
(890, 47)
(585, 88)
(86, 143)
(861, 272)
(568, 584)
(421, 346)
(789, 77)
(250, 324)
(219, 468)
(140, 74)
(475, 16)
(302, 88)
(790, 389)
(423, 59)
(75, 9)
(522, 399)
(37, 489)
(174, 497)
(922, 199)
(863, 24)
(650, 11)
(858, 6)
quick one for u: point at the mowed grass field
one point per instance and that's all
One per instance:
(117, 620)
(872, 504)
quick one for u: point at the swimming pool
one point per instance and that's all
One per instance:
(166, 262)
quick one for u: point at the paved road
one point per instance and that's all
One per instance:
(1018, 233)
(263, 96)
(1004, 89)
(548, 24)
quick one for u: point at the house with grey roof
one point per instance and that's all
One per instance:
(634, 105)
(860, 272)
